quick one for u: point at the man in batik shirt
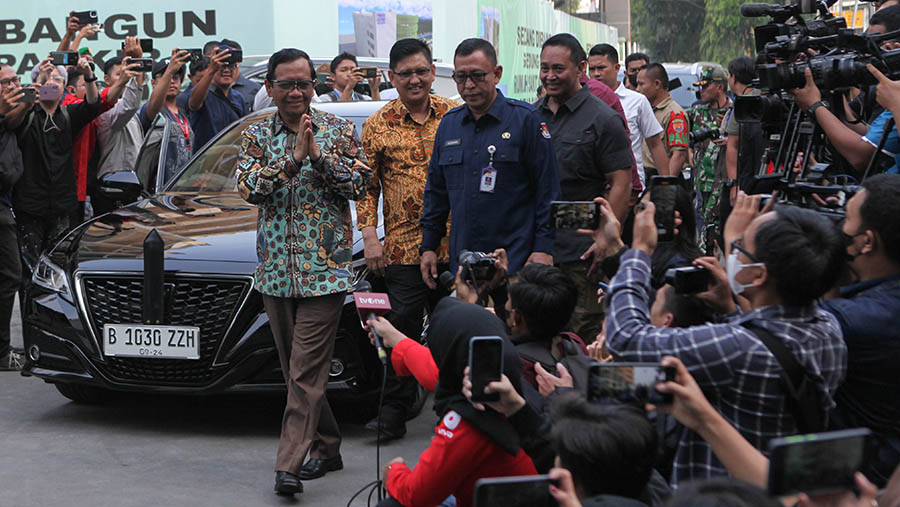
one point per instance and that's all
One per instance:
(398, 140)
(301, 166)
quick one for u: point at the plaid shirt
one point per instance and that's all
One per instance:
(735, 370)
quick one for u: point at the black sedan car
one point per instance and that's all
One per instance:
(84, 321)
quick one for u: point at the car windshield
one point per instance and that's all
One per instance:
(214, 170)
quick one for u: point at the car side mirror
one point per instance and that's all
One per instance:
(120, 187)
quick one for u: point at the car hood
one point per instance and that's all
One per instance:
(194, 227)
(220, 227)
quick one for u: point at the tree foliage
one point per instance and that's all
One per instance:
(668, 28)
(726, 34)
(692, 30)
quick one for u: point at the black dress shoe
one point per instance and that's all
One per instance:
(390, 429)
(287, 484)
(315, 467)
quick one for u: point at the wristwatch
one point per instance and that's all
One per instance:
(90, 79)
(730, 182)
(812, 109)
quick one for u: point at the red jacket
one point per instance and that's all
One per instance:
(459, 455)
(85, 142)
(410, 357)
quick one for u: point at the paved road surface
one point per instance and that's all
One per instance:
(153, 450)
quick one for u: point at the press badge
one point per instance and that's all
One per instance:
(489, 174)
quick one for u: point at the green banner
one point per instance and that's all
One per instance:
(518, 28)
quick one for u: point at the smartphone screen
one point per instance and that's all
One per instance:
(195, 54)
(574, 215)
(631, 383)
(521, 491)
(64, 57)
(817, 463)
(144, 64)
(663, 190)
(485, 365)
(146, 45)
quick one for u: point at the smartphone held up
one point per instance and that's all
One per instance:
(485, 365)
(663, 192)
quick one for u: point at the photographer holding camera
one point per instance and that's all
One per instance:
(213, 105)
(168, 74)
(856, 149)
(119, 132)
(866, 311)
(780, 261)
(45, 200)
(708, 143)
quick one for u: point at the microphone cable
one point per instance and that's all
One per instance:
(377, 483)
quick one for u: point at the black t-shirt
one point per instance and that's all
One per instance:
(47, 187)
(590, 140)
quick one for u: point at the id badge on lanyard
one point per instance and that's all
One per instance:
(489, 174)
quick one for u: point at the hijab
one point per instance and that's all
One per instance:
(452, 324)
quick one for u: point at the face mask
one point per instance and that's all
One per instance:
(733, 267)
(632, 78)
(848, 242)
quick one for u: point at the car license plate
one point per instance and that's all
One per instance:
(150, 341)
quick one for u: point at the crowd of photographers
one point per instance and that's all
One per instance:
(772, 316)
(81, 120)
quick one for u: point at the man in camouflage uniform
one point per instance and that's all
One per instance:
(709, 155)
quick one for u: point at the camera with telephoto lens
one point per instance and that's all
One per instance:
(477, 266)
(698, 136)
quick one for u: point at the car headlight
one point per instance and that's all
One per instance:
(50, 276)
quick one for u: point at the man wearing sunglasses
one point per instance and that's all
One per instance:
(302, 167)
(493, 167)
(213, 105)
(709, 155)
(779, 263)
(398, 140)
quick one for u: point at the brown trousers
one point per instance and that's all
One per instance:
(304, 331)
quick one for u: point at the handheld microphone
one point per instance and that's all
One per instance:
(370, 305)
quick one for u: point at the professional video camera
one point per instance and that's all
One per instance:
(477, 266)
(837, 59)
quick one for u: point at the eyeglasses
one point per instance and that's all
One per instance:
(286, 85)
(406, 74)
(10, 81)
(738, 245)
(477, 76)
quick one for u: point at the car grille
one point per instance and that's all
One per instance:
(209, 304)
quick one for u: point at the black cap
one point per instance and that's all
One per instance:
(159, 68)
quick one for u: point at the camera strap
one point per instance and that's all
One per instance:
(801, 395)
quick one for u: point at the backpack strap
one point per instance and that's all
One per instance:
(800, 392)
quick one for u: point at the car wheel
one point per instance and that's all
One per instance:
(79, 393)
